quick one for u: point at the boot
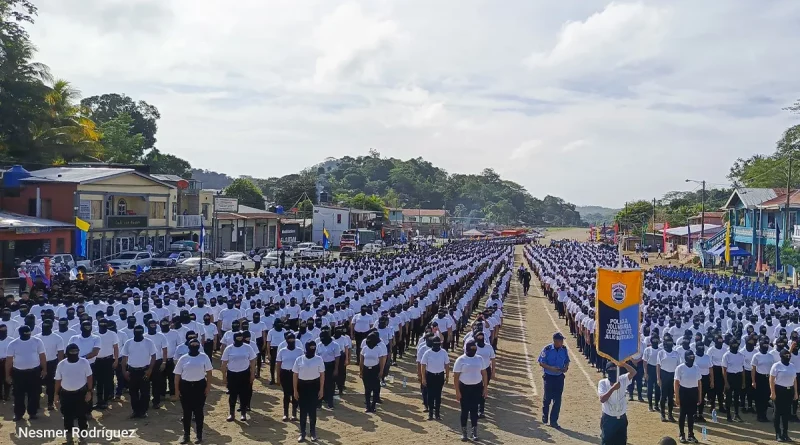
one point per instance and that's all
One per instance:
(475, 433)
(464, 437)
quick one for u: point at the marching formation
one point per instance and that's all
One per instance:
(302, 329)
(710, 344)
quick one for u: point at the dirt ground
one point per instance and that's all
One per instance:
(513, 408)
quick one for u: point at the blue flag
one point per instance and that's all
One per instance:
(139, 270)
(777, 248)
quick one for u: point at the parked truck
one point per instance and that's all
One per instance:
(357, 238)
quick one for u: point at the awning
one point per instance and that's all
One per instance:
(735, 251)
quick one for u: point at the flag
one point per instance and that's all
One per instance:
(110, 271)
(617, 312)
(139, 270)
(28, 278)
(664, 236)
(689, 236)
(146, 269)
(777, 248)
(728, 244)
(278, 238)
(616, 233)
(80, 275)
(202, 236)
(326, 238)
(73, 274)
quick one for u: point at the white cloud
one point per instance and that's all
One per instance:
(268, 88)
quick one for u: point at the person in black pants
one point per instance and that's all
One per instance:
(138, 360)
(470, 382)
(239, 371)
(652, 375)
(688, 387)
(371, 361)
(286, 358)
(28, 368)
(638, 365)
(5, 387)
(73, 383)
(436, 374)
(193, 382)
(783, 390)
(49, 380)
(308, 381)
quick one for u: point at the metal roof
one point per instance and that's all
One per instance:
(695, 228)
(9, 220)
(168, 178)
(751, 197)
(75, 174)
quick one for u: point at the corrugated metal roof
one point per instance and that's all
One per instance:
(9, 220)
(752, 197)
(167, 178)
(695, 228)
(75, 174)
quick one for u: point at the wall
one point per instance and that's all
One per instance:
(60, 195)
(334, 220)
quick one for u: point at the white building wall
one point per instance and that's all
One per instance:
(336, 220)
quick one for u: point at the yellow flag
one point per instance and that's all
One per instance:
(728, 243)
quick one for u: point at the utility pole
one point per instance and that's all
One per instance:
(788, 197)
(654, 218)
(703, 213)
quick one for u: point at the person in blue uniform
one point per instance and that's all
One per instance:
(554, 360)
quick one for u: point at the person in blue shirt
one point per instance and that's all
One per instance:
(554, 360)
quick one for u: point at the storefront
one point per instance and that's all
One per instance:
(23, 237)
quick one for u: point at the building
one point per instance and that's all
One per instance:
(294, 231)
(195, 207)
(247, 229)
(715, 218)
(333, 219)
(425, 222)
(126, 209)
(23, 237)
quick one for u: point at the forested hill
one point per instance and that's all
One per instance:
(373, 181)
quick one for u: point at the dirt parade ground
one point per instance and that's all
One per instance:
(513, 413)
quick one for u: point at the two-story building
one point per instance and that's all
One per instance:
(425, 222)
(247, 229)
(126, 209)
(195, 207)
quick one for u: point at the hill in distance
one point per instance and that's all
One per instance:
(596, 215)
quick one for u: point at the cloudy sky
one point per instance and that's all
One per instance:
(592, 101)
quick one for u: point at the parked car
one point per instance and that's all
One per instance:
(193, 265)
(131, 260)
(239, 261)
(371, 248)
(302, 247)
(314, 253)
(273, 258)
(170, 258)
(184, 245)
(64, 262)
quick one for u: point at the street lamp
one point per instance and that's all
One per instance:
(702, 208)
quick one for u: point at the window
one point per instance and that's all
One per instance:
(158, 210)
(110, 206)
(122, 207)
(205, 211)
(47, 209)
(59, 247)
(174, 211)
(338, 218)
(32, 207)
(96, 210)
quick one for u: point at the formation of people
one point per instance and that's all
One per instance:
(301, 329)
(710, 344)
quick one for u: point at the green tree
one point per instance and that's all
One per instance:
(635, 216)
(247, 193)
(121, 145)
(167, 164)
(110, 106)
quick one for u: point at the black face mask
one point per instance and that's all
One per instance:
(311, 350)
(24, 333)
(337, 335)
(372, 342)
(763, 349)
(689, 360)
(612, 375)
(302, 330)
(194, 349)
(47, 329)
(73, 355)
(138, 334)
(63, 326)
(481, 342)
(235, 326)
(102, 328)
(256, 318)
(151, 330)
(700, 350)
(86, 330)
(471, 351)
(436, 346)
(207, 321)
(238, 340)
(668, 346)
(750, 346)
(786, 359)
(3, 334)
(325, 338)
(165, 328)
(290, 344)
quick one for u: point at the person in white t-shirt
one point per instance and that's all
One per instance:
(470, 381)
(435, 374)
(611, 390)
(54, 353)
(688, 393)
(308, 381)
(193, 383)
(73, 389)
(28, 364)
(238, 373)
(373, 358)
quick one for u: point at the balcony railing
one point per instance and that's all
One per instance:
(189, 220)
(796, 232)
(747, 232)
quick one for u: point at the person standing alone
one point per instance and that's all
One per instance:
(554, 359)
(26, 366)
